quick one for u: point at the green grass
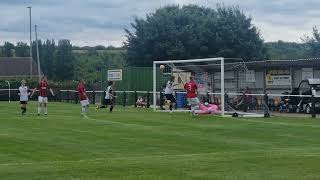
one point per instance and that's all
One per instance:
(139, 144)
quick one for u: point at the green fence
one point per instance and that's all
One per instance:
(135, 79)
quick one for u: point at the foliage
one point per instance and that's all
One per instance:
(32, 83)
(22, 50)
(7, 49)
(313, 42)
(286, 50)
(50, 64)
(100, 47)
(47, 58)
(16, 82)
(89, 66)
(175, 32)
(64, 61)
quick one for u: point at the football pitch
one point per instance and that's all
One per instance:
(139, 144)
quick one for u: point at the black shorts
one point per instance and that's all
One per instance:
(107, 102)
(171, 98)
(23, 102)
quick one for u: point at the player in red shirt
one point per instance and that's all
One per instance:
(43, 88)
(192, 88)
(83, 98)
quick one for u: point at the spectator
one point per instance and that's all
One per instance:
(140, 102)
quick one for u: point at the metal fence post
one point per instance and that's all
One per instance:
(93, 97)
(161, 100)
(148, 99)
(266, 105)
(76, 98)
(61, 96)
(175, 104)
(124, 98)
(114, 99)
(103, 97)
(313, 106)
(68, 96)
(135, 98)
(266, 99)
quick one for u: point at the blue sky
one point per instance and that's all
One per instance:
(94, 22)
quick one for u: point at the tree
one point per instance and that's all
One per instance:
(92, 51)
(47, 58)
(287, 50)
(22, 49)
(64, 61)
(34, 50)
(47, 51)
(7, 49)
(313, 42)
(1, 55)
(89, 66)
(100, 47)
(175, 32)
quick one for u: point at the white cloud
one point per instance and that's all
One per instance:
(98, 36)
(102, 22)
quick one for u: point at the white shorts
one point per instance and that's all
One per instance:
(85, 102)
(43, 99)
(193, 101)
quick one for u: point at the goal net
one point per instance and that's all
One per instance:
(224, 84)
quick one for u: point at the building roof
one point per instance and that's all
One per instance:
(16, 66)
(310, 62)
(236, 63)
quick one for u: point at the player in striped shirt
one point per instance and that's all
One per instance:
(43, 89)
(23, 93)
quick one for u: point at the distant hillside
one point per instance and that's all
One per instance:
(84, 51)
(287, 50)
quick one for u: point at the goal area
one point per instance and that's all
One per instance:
(224, 83)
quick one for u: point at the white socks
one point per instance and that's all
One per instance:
(45, 109)
(84, 109)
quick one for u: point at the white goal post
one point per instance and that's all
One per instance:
(207, 60)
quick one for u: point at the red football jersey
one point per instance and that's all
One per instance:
(43, 88)
(81, 91)
(191, 88)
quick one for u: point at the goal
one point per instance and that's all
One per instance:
(221, 81)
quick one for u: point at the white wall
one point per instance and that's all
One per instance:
(296, 77)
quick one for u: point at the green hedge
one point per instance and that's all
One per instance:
(15, 83)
